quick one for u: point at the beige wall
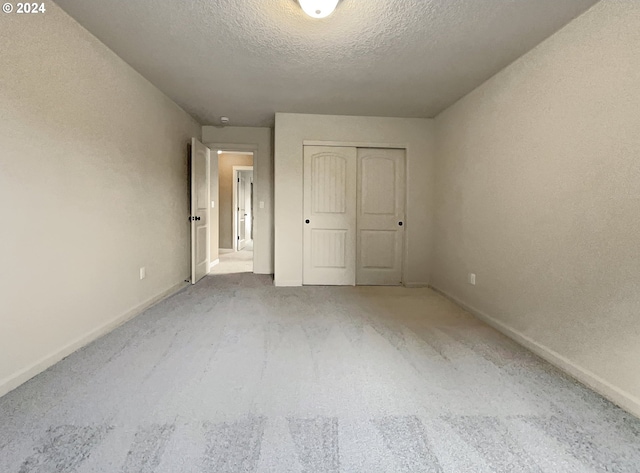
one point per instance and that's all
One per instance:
(538, 192)
(93, 185)
(226, 161)
(258, 139)
(292, 130)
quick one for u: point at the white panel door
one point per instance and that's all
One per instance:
(329, 235)
(248, 200)
(241, 218)
(200, 157)
(380, 216)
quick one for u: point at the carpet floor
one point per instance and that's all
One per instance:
(234, 375)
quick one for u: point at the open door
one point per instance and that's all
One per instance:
(200, 157)
(241, 189)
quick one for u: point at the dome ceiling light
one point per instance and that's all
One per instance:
(318, 8)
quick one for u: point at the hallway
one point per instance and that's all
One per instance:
(232, 262)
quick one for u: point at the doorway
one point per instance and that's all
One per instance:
(235, 212)
(243, 207)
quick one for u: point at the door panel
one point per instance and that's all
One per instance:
(329, 183)
(248, 201)
(380, 210)
(374, 245)
(200, 156)
(330, 210)
(242, 211)
(377, 177)
(328, 248)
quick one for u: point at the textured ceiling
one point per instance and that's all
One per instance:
(247, 59)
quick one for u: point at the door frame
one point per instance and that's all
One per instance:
(236, 169)
(366, 144)
(218, 147)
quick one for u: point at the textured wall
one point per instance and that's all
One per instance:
(538, 192)
(226, 161)
(292, 130)
(259, 139)
(93, 185)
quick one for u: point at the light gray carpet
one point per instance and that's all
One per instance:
(234, 375)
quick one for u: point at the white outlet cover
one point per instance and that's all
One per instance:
(472, 279)
(143, 273)
(262, 204)
(213, 204)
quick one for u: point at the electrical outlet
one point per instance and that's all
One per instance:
(213, 204)
(261, 205)
(143, 272)
(472, 279)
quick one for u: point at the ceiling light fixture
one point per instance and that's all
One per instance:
(318, 8)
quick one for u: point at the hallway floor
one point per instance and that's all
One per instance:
(232, 262)
(234, 375)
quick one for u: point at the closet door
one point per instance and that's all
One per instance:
(329, 216)
(380, 216)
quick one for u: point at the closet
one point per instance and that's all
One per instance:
(354, 211)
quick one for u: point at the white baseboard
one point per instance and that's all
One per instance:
(24, 375)
(296, 283)
(213, 264)
(416, 284)
(621, 398)
(291, 283)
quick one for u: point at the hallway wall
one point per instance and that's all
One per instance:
(226, 161)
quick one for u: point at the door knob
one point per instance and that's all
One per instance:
(197, 218)
(306, 221)
(400, 223)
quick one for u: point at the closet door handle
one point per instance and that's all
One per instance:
(307, 221)
(400, 223)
